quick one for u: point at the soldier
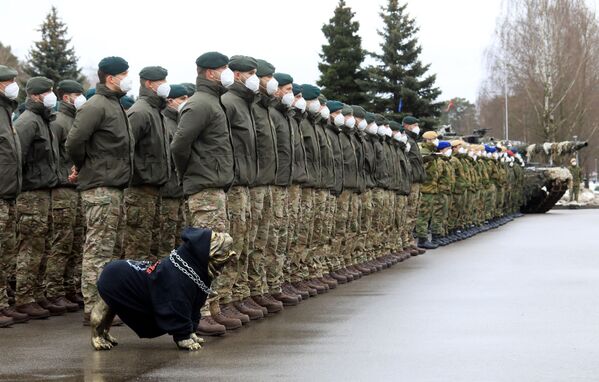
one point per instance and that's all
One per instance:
(428, 189)
(10, 187)
(171, 194)
(203, 154)
(282, 117)
(442, 201)
(65, 248)
(151, 168)
(576, 172)
(101, 146)
(402, 193)
(238, 103)
(39, 151)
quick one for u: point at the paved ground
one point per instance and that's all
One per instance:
(520, 303)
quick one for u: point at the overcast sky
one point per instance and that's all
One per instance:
(453, 34)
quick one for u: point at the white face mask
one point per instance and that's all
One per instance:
(416, 130)
(362, 125)
(381, 131)
(11, 91)
(50, 100)
(447, 153)
(339, 120)
(495, 156)
(325, 113)
(403, 138)
(180, 107)
(126, 84)
(227, 77)
(388, 132)
(79, 101)
(397, 137)
(350, 122)
(272, 86)
(436, 142)
(253, 83)
(300, 104)
(313, 106)
(372, 128)
(287, 99)
(462, 150)
(573, 163)
(163, 90)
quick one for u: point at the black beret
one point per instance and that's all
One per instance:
(70, 86)
(264, 69)
(359, 111)
(212, 60)
(38, 85)
(153, 73)
(347, 110)
(242, 63)
(113, 65)
(283, 78)
(369, 117)
(409, 120)
(379, 119)
(334, 105)
(310, 92)
(90, 92)
(395, 126)
(7, 73)
(297, 89)
(191, 88)
(177, 91)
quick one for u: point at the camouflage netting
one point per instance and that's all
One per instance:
(543, 187)
(553, 152)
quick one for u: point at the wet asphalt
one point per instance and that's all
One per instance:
(519, 303)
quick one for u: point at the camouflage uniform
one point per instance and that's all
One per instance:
(276, 248)
(261, 212)
(72, 272)
(428, 190)
(7, 247)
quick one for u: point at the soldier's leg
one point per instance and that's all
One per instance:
(102, 207)
(306, 231)
(425, 213)
(261, 221)
(64, 211)
(139, 215)
(315, 264)
(169, 222)
(293, 250)
(156, 231)
(72, 278)
(341, 216)
(276, 250)
(329, 258)
(5, 207)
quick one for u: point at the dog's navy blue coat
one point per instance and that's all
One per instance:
(159, 299)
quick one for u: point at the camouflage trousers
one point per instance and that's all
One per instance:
(380, 205)
(305, 233)
(455, 206)
(278, 235)
(425, 215)
(389, 216)
(141, 212)
(440, 212)
(317, 261)
(64, 212)
(330, 260)
(400, 218)
(412, 206)
(293, 253)
(34, 228)
(171, 221)
(364, 242)
(490, 202)
(250, 281)
(208, 209)
(499, 202)
(8, 232)
(340, 233)
(574, 193)
(72, 272)
(103, 213)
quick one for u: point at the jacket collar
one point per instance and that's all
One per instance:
(210, 87)
(171, 113)
(39, 109)
(68, 109)
(103, 90)
(7, 103)
(240, 90)
(150, 97)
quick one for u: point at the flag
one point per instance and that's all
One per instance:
(450, 105)
(400, 106)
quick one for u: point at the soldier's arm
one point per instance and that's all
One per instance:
(86, 122)
(26, 133)
(191, 124)
(138, 124)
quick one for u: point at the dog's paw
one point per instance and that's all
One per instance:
(100, 343)
(197, 339)
(108, 337)
(188, 344)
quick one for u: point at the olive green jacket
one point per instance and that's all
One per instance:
(10, 152)
(282, 116)
(333, 135)
(60, 128)
(172, 188)
(266, 142)
(312, 147)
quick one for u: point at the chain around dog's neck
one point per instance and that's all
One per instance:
(181, 265)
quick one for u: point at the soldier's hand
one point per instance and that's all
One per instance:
(74, 174)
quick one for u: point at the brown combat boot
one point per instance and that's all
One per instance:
(64, 302)
(341, 279)
(363, 269)
(356, 273)
(331, 282)
(229, 310)
(286, 299)
(74, 298)
(252, 313)
(208, 327)
(5, 321)
(315, 284)
(270, 304)
(33, 310)
(16, 316)
(303, 287)
(54, 309)
(290, 290)
(229, 323)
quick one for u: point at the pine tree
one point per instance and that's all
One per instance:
(398, 83)
(52, 57)
(341, 71)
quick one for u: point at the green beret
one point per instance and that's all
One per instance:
(347, 110)
(113, 65)
(90, 92)
(191, 88)
(323, 100)
(38, 85)
(265, 68)
(297, 89)
(242, 63)
(395, 126)
(359, 111)
(409, 120)
(212, 60)
(334, 106)
(283, 78)
(369, 117)
(153, 73)
(6, 73)
(310, 92)
(70, 86)
(127, 102)
(177, 91)
(379, 119)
